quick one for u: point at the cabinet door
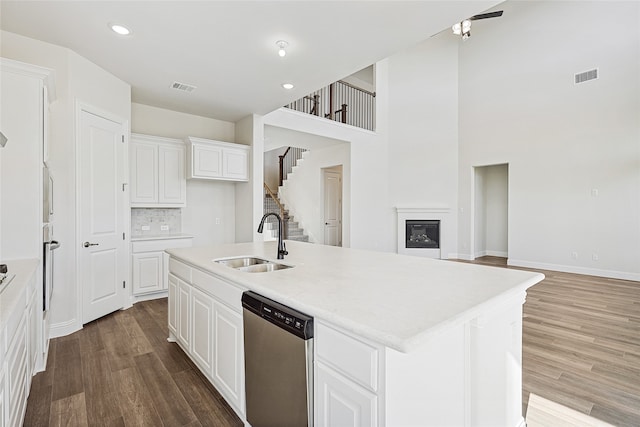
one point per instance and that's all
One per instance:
(3, 396)
(341, 402)
(172, 185)
(144, 172)
(234, 164)
(173, 304)
(206, 161)
(183, 326)
(16, 375)
(33, 336)
(147, 272)
(228, 364)
(202, 329)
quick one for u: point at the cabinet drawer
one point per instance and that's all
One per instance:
(223, 291)
(180, 270)
(159, 245)
(352, 357)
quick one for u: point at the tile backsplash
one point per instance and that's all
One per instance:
(154, 222)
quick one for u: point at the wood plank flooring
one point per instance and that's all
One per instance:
(121, 371)
(581, 344)
(581, 349)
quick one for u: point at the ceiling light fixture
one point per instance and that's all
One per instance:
(282, 44)
(287, 86)
(462, 29)
(120, 29)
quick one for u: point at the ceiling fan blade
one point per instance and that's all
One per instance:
(495, 14)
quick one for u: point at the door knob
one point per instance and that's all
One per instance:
(87, 244)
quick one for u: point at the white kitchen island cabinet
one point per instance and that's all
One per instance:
(209, 159)
(158, 177)
(399, 340)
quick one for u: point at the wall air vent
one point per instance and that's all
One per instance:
(183, 87)
(586, 76)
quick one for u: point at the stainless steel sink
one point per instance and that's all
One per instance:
(252, 264)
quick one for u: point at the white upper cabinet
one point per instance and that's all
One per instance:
(158, 176)
(210, 159)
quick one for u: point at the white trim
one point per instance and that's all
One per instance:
(47, 75)
(64, 328)
(139, 298)
(623, 275)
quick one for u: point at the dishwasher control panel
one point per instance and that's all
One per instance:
(286, 317)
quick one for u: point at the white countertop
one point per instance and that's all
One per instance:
(396, 300)
(139, 238)
(13, 297)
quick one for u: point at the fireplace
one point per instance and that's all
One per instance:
(422, 233)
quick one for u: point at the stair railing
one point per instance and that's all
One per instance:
(281, 208)
(287, 161)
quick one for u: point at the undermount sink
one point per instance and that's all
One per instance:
(252, 264)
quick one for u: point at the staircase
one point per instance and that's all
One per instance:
(292, 228)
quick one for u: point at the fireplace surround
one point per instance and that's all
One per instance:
(422, 231)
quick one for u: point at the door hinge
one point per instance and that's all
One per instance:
(123, 284)
(123, 184)
(123, 236)
(122, 138)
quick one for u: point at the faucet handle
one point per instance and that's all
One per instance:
(284, 249)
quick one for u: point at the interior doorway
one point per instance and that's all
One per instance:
(491, 211)
(332, 189)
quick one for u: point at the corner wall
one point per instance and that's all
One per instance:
(573, 150)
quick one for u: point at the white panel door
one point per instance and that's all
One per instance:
(201, 334)
(144, 172)
(234, 164)
(207, 161)
(341, 402)
(183, 319)
(172, 187)
(102, 250)
(332, 208)
(228, 361)
(147, 272)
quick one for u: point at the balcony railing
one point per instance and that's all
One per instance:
(342, 102)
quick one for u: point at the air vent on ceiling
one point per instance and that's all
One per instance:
(586, 76)
(183, 87)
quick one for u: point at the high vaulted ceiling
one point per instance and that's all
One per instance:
(227, 49)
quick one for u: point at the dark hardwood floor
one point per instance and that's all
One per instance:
(581, 348)
(121, 371)
(581, 344)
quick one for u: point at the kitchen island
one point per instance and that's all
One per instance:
(399, 340)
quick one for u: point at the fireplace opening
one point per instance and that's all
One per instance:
(423, 234)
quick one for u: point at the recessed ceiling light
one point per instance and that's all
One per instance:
(287, 86)
(120, 29)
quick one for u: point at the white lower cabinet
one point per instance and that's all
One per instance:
(342, 402)
(202, 326)
(184, 317)
(149, 266)
(17, 374)
(3, 398)
(228, 364)
(205, 318)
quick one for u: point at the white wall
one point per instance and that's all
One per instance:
(77, 80)
(573, 150)
(303, 193)
(249, 195)
(207, 200)
(423, 129)
(272, 167)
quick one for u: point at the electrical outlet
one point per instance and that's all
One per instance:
(164, 228)
(574, 255)
(145, 228)
(595, 257)
(594, 192)
(217, 221)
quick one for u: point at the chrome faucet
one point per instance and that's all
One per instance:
(282, 249)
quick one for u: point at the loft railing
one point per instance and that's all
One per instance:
(287, 161)
(280, 208)
(342, 102)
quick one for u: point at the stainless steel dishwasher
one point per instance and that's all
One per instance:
(278, 363)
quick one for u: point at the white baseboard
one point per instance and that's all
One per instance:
(148, 297)
(623, 275)
(64, 328)
(500, 254)
(465, 257)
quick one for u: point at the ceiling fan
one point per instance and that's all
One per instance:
(463, 28)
